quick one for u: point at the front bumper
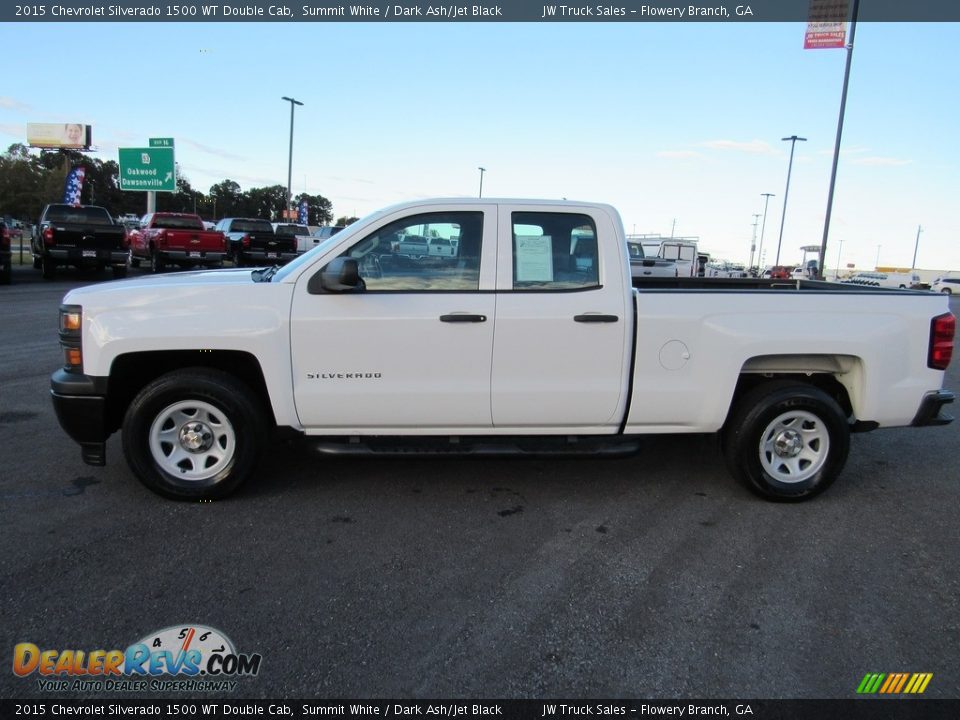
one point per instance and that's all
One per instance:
(80, 402)
(931, 409)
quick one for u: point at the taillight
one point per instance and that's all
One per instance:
(942, 330)
(246, 241)
(48, 236)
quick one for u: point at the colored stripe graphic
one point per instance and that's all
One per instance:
(894, 683)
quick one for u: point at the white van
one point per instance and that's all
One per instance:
(887, 280)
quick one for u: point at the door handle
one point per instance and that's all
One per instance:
(462, 317)
(595, 318)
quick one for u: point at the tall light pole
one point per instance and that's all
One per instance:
(916, 245)
(877, 263)
(753, 240)
(793, 142)
(766, 201)
(482, 171)
(290, 161)
(836, 146)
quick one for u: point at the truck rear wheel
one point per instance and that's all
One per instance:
(49, 268)
(193, 434)
(786, 441)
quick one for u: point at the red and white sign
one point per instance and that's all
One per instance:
(821, 35)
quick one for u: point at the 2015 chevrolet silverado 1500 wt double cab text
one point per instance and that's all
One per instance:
(533, 340)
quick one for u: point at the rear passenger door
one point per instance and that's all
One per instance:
(563, 327)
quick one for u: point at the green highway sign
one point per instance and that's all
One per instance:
(161, 142)
(148, 169)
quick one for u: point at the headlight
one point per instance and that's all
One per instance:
(71, 325)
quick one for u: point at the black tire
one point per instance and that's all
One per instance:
(218, 413)
(6, 273)
(813, 435)
(135, 262)
(119, 271)
(49, 268)
(948, 291)
(156, 262)
(37, 263)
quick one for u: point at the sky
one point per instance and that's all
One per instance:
(677, 125)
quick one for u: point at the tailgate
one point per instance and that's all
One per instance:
(88, 237)
(205, 240)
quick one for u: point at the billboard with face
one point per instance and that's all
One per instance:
(59, 135)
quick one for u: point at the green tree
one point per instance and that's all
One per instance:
(344, 220)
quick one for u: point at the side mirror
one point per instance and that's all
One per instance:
(342, 274)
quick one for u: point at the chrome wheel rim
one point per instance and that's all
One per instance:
(192, 440)
(794, 446)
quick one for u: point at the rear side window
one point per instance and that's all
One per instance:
(554, 251)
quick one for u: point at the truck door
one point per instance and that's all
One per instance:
(564, 327)
(411, 352)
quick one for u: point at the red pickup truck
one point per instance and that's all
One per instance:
(166, 238)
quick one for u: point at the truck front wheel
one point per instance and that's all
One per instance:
(786, 441)
(193, 434)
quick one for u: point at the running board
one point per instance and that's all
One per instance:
(480, 446)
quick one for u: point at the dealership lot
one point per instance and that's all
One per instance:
(652, 576)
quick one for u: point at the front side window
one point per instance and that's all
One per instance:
(554, 251)
(403, 255)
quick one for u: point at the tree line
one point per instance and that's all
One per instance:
(28, 181)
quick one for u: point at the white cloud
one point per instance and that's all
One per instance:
(876, 161)
(9, 103)
(753, 147)
(679, 154)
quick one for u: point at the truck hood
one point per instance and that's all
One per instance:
(148, 284)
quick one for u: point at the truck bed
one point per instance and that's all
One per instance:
(656, 284)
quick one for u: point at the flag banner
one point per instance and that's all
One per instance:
(304, 213)
(826, 24)
(74, 185)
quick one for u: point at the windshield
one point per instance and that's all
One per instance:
(88, 215)
(177, 222)
(251, 226)
(292, 230)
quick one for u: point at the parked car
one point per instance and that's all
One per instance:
(251, 241)
(885, 280)
(301, 233)
(530, 343)
(175, 238)
(6, 255)
(81, 235)
(946, 285)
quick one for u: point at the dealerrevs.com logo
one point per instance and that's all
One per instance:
(190, 658)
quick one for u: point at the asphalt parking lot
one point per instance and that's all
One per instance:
(654, 576)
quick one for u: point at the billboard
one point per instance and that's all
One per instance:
(59, 135)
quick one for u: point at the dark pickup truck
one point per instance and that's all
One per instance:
(251, 241)
(84, 236)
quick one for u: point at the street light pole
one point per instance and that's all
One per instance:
(290, 160)
(877, 263)
(793, 143)
(753, 240)
(915, 246)
(763, 227)
(482, 171)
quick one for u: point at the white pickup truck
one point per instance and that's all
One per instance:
(518, 346)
